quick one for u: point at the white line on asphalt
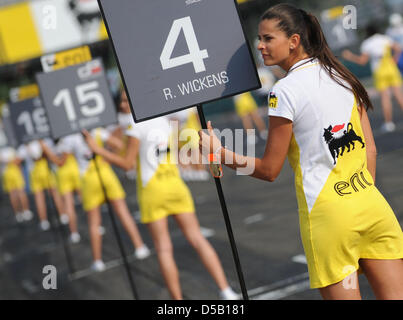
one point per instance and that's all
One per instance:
(29, 286)
(7, 257)
(207, 232)
(137, 215)
(283, 288)
(253, 219)
(287, 291)
(279, 284)
(47, 248)
(201, 199)
(300, 258)
(108, 265)
(81, 274)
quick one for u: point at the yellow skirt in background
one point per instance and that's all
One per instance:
(92, 192)
(41, 177)
(68, 176)
(245, 104)
(13, 178)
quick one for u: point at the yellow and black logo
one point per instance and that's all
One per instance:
(273, 100)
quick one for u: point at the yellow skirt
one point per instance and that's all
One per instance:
(92, 192)
(387, 75)
(337, 234)
(189, 134)
(68, 176)
(13, 178)
(245, 104)
(165, 194)
(41, 177)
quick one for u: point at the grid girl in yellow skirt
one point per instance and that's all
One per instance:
(377, 49)
(68, 180)
(161, 193)
(93, 196)
(43, 179)
(14, 183)
(318, 118)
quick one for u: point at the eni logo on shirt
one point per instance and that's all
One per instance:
(272, 100)
(337, 145)
(343, 188)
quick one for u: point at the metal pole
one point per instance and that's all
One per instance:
(226, 218)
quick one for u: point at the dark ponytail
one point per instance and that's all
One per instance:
(297, 21)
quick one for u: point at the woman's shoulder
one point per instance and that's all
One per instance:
(288, 85)
(376, 40)
(141, 129)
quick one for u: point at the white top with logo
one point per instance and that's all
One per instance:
(154, 140)
(376, 47)
(7, 154)
(76, 145)
(34, 150)
(317, 106)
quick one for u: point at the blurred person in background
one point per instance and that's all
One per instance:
(68, 180)
(247, 109)
(100, 184)
(43, 179)
(395, 31)
(377, 48)
(117, 134)
(14, 183)
(161, 192)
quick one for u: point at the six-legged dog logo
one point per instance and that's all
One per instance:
(337, 145)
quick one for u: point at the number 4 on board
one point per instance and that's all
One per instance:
(195, 55)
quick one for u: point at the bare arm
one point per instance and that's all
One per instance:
(358, 59)
(269, 166)
(370, 142)
(115, 143)
(59, 161)
(17, 161)
(397, 50)
(126, 163)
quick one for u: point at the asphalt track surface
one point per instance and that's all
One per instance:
(264, 219)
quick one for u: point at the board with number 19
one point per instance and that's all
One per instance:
(29, 121)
